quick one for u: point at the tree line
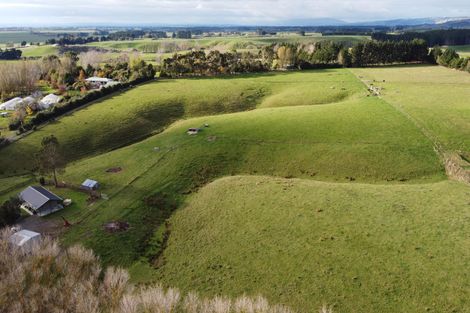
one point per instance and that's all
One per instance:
(322, 54)
(10, 54)
(445, 37)
(68, 39)
(451, 59)
(198, 63)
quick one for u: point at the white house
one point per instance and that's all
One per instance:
(49, 101)
(25, 239)
(12, 104)
(101, 81)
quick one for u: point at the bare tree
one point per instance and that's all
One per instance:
(93, 58)
(50, 158)
(18, 77)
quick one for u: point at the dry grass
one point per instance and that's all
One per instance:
(51, 279)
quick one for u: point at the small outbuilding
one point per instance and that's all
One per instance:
(49, 101)
(12, 104)
(25, 239)
(39, 201)
(100, 81)
(4, 114)
(90, 184)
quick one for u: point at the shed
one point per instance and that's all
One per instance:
(4, 114)
(29, 100)
(40, 201)
(99, 80)
(25, 239)
(12, 104)
(90, 184)
(49, 101)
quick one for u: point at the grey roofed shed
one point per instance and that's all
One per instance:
(40, 200)
(24, 239)
(90, 184)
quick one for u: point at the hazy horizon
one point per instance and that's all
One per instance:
(216, 12)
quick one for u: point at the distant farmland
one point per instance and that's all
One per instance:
(18, 37)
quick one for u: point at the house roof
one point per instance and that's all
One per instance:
(99, 79)
(11, 104)
(51, 99)
(22, 237)
(37, 196)
(90, 183)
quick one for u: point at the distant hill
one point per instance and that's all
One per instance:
(414, 23)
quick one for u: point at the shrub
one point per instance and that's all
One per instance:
(9, 212)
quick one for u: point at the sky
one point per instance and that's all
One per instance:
(217, 12)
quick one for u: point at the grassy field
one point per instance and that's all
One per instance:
(125, 118)
(285, 142)
(363, 248)
(39, 51)
(383, 232)
(434, 96)
(223, 43)
(464, 51)
(19, 36)
(4, 121)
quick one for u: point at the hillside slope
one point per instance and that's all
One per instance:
(364, 248)
(148, 109)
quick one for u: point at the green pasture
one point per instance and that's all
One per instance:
(222, 43)
(311, 142)
(300, 186)
(131, 116)
(434, 96)
(360, 248)
(17, 37)
(38, 51)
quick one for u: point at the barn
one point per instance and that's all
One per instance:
(40, 201)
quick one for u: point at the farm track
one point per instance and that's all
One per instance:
(450, 159)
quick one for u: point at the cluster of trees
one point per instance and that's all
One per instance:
(50, 278)
(81, 39)
(10, 54)
(182, 34)
(18, 78)
(9, 212)
(285, 56)
(450, 58)
(198, 63)
(289, 56)
(330, 54)
(72, 40)
(126, 35)
(446, 37)
(70, 71)
(389, 52)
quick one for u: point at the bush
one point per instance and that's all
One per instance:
(10, 212)
(14, 125)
